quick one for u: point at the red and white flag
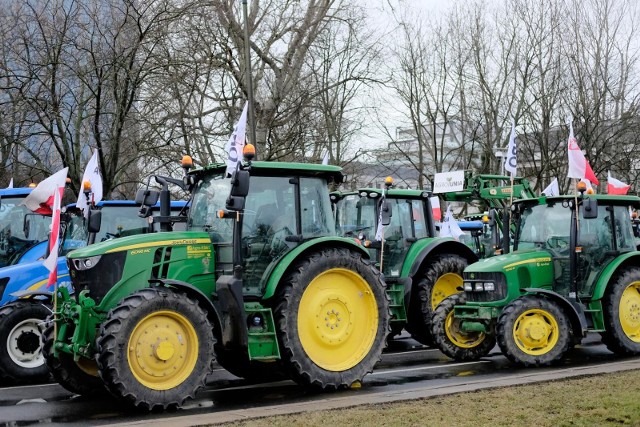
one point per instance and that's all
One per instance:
(615, 186)
(54, 239)
(435, 208)
(578, 165)
(40, 200)
(450, 227)
(92, 175)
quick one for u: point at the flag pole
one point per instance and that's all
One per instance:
(247, 53)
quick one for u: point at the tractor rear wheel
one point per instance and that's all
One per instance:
(453, 342)
(441, 279)
(332, 319)
(622, 314)
(21, 359)
(80, 378)
(533, 331)
(155, 349)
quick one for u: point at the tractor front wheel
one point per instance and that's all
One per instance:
(451, 340)
(533, 331)
(622, 314)
(441, 279)
(21, 359)
(80, 378)
(332, 316)
(155, 349)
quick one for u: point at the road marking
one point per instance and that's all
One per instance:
(28, 386)
(452, 365)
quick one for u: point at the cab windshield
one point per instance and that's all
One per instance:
(356, 215)
(20, 229)
(545, 226)
(209, 196)
(120, 221)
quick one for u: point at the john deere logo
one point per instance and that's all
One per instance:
(473, 276)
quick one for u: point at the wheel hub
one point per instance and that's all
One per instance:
(164, 350)
(630, 311)
(23, 344)
(337, 319)
(535, 332)
(28, 342)
(446, 285)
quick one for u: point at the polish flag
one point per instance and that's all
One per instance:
(92, 176)
(40, 200)
(54, 239)
(435, 208)
(615, 186)
(578, 165)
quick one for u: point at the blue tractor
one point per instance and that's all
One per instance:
(23, 233)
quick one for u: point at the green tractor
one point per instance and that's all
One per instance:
(575, 268)
(259, 279)
(420, 268)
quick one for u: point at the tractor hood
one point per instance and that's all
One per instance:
(524, 267)
(510, 261)
(142, 242)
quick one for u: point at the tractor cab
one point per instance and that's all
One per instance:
(20, 229)
(286, 205)
(579, 249)
(409, 219)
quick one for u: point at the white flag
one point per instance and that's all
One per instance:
(380, 229)
(92, 175)
(236, 141)
(10, 183)
(450, 227)
(552, 189)
(511, 162)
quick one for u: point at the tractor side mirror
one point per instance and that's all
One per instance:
(385, 213)
(239, 190)
(95, 220)
(589, 208)
(147, 197)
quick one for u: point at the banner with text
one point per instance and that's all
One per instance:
(445, 182)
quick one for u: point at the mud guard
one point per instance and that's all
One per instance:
(26, 294)
(439, 246)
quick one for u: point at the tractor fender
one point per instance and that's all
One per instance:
(280, 270)
(26, 294)
(573, 310)
(424, 248)
(631, 259)
(193, 292)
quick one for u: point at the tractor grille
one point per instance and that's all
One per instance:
(499, 293)
(99, 279)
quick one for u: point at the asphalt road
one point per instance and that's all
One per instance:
(406, 371)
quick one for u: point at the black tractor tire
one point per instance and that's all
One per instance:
(621, 306)
(66, 371)
(552, 333)
(155, 349)
(332, 319)
(450, 340)
(426, 291)
(238, 364)
(21, 360)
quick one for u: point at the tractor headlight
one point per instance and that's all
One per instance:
(489, 286)
(468, 286)
(87, 263)
(478, 287)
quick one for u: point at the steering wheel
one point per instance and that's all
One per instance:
(558, 242)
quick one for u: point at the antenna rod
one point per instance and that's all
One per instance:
(247, 53)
